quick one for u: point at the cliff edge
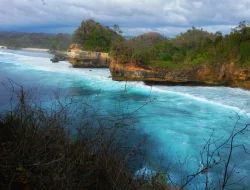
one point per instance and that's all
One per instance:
(87, 59)
(211, 75)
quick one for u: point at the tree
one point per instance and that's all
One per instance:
(116, 28)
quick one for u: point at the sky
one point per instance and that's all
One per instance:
(135, 17)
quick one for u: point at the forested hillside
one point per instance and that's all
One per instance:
(17, 40)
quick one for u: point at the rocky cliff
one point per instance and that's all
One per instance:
(220, 74)
(87, 59)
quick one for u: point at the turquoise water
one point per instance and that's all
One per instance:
(176, 119)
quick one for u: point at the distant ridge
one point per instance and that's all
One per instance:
(16, 40)
(149, 38)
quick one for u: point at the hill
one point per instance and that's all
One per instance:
(15, 40)
(193, 38)
(92, 36)
(148, 39)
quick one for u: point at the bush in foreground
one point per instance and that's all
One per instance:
(38, 151)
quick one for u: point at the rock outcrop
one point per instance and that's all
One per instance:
(83, 59)
(59, 56)
(87, 59)
(220, 74)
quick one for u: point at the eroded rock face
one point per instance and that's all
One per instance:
(220, 74)
(87, 59)
(59, 56)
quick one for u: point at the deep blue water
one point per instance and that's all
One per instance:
(176, 119)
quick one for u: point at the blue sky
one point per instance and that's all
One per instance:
(168, 17)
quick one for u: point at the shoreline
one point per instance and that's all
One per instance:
(227, 75)
(35, 49)
(26, 49)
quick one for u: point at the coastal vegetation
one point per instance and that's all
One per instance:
(194, 47)
(92, 36)
(191, 48)
(195, 57)
(60, 42)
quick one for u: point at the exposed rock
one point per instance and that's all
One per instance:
(220, 74)
(87, 59)
(59, 56)
(54, 59)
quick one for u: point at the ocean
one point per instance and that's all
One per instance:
(178, 120)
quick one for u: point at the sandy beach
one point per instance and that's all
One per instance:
(35, 49)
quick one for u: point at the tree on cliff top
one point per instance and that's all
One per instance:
(192, 48)
(137, 49)
(93, 36)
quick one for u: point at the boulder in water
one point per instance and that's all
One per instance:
(59, 56)
(54, 60)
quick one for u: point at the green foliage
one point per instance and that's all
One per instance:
(160, 177)
(194, 38)
(60, 42)
(164, 64)
(139, 50)
(177, 57)
(35, 40)
(92, 36)
(97, 41)
(164, 51)
(116, 28)
(244, 51)
(199, 58)
(140, 56)
(193, 47)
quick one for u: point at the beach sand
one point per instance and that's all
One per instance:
(35, 49)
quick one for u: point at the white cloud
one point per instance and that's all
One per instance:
(134, 17)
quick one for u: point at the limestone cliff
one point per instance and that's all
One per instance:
(220, 74)
(87, 59)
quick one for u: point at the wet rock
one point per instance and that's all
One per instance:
(59, 56)
(54, 60)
